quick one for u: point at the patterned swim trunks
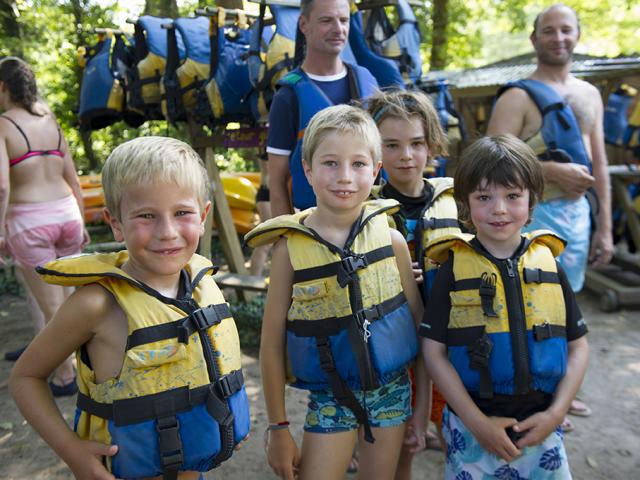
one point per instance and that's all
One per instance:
(386, 406)
(467, 460)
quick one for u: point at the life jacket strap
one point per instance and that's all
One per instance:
(435, 223)
(488, 293)
(548, 330)
(332, 326)
(537, 275)
(171, 454)
(344, 395)
(479, 355)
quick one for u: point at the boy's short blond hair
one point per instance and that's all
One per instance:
(405, 104)
(148, 160)
(341, 119)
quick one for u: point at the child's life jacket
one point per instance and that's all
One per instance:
(179, 402)
(631, 138)
(181, 80)
(145, 77)
(560, 132)
(615, 116)
(349, 325)
(310, 101)
(507, 325)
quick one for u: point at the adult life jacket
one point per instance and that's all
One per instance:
(228, 95)
(349, 325)
(310, 101)
(102, 94)
(507, 325)
(631, 138)
(385, 70)
(271, 52)
(560, 129)
(181, 80)
(615, 116)
(401, 44)
(144, 78)
(179, 402)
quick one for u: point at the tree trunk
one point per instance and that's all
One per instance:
(161, 8)
(440, 16)
(11, 28)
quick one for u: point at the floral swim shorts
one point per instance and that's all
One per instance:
(386, 406)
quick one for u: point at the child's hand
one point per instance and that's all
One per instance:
(87, 460)
(492, 435)
(242, 442)
(417, 272)
(536, 428)
(282, 453)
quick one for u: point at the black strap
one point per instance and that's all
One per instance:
(170, 446)
(331, 326)
(548, 330)
(466, 284)
(343, 394)
(22, 132)
(435, 223)
(182, 329)
(345, 267)
(537, 275)
(135, 410)
(488, 293)
(479, 354)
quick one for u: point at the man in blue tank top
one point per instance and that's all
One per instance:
(325, 25)
(565, 209)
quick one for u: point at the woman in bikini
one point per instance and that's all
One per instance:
(41, 210)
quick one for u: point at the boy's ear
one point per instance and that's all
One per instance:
(376, 169)
(203, 216)
(307, 170)
(114, 223)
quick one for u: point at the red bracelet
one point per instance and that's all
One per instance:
(278, 426)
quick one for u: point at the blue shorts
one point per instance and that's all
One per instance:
(386, 406)
(467, 460)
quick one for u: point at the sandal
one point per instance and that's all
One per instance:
(567, 425)
(64, 390)
(579, 408)
(14, 355)
(432, 441)
(353, 463)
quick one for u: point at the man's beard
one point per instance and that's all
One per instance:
(546, 58)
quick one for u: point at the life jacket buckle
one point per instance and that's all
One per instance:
(353, 263)
(532, 275)
(324, 354)
(228, 384)
(428, 223)
(480, 352)
(542, 332)
(171, 455)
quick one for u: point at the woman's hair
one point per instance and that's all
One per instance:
(500, 160)
(149, 160)
(405, 104)
(341, 119)
(20, 82)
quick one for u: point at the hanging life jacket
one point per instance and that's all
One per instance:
(102, 94)
(227, 95)
(631, 138)
(182, 80)
(349, 325)
(179, 402)
(507, 324)
(615, 116)
(145, 77)
(385, 70)
(560, 129)
(401, 44)
(310, 101)
(271, 53)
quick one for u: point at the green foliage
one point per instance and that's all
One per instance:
(248, 318)
(9, 285)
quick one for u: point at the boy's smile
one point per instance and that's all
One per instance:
(498, 214)
(161, 225)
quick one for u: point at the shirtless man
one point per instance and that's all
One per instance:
(555, 34)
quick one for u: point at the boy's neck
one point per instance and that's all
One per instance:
(498, 250)
(166, 285)
(333, 226)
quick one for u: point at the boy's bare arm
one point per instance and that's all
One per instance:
(73, 325)
(282, 452)
(418, 423)
(540, 425)
(278, 184)
(489, 431)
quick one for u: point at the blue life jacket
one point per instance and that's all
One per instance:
(615, 117)
(182, 77)
(102, 94)
(560, 129)
(144, 78)
(310, 101)
(401, 45)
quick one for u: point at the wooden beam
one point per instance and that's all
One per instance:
(252, 283)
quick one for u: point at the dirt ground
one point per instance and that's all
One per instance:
(603, 446)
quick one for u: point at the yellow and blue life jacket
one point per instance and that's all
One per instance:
(615, 116)
(560, 129)
(102, 94)
(181, 80)
(507, 325)
(179, 402)
(310, 101)
(271, 53)
(349, 325)
(631, 138)
(145, 77)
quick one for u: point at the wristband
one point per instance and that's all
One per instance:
(278, 426)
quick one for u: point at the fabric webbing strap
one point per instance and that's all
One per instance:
(435, 223)
(344, 267)
(201, 319)
(331, 326)
(548, 330)
(537, 275)
(140, 409)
